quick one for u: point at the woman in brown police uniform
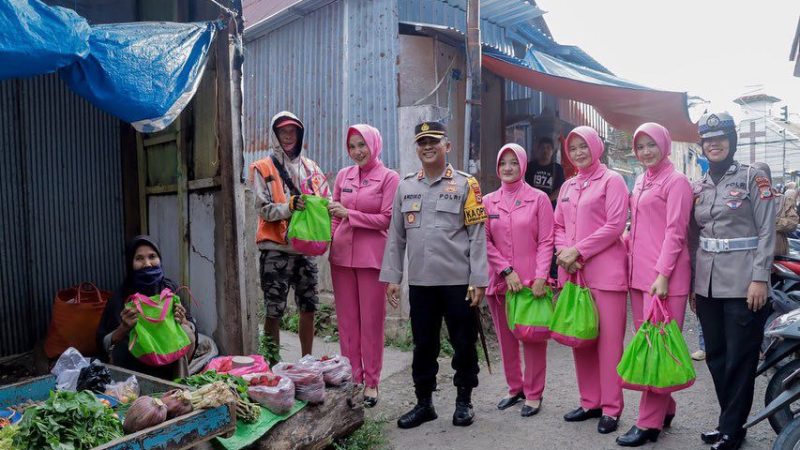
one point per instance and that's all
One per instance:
(732, 239)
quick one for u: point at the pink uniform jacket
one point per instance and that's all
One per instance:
(519, 235)
(590, 215)
(367, 193)
(661, 205)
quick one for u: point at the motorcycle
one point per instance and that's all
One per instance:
(784, 297)
(783, 388)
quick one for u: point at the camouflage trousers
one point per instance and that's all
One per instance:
(279, 271)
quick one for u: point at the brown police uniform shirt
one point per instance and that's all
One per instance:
(741, 205)
(440, 223)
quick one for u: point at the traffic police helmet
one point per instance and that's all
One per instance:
(716, 124)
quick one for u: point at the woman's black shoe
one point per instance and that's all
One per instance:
(528, 410)
(607, 424)
(636, 437)
(728, 442)
(370, 402)
(580, 414)
(668, 420)
(510, 401)
(710, 437)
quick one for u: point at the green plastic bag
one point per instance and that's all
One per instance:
(575, 322)
(529, 316)
(310, 228)
(657, 358)
(157, 338)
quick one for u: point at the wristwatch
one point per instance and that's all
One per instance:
(507, 271)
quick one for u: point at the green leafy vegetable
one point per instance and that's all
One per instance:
(68, 421)
(7, 434)
(212, 376)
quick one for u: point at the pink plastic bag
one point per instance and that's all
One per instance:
(224, 364)
(278, 399)
(309, 384)
(336, 369)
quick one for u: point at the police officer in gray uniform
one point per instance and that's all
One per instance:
(438, 219)
(732, 239)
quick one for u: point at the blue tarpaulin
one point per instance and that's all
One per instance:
(145, 73)
(37, 39)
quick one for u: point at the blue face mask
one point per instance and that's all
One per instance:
(149, 277)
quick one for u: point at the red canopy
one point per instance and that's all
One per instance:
(625, 108)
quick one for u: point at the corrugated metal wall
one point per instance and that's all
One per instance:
(62, 198)
(334, 67)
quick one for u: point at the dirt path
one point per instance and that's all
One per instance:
(493, 429)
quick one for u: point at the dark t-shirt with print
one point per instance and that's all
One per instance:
(548, 178)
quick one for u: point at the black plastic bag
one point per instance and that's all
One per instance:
(94, 378)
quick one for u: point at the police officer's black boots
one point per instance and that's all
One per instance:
(422, 412)
(463, 415)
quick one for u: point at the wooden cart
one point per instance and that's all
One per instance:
(178, 433)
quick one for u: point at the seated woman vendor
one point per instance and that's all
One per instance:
(144, 276)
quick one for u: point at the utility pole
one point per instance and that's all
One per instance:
(472, 116)
(783, 131)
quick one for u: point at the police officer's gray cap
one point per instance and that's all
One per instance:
(716, 124)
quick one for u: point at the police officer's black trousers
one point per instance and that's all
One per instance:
(733, 336)
(429, 304)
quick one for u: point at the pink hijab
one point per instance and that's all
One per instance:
(510, 190)
(662, 138)
(596, 149)
(374, 141)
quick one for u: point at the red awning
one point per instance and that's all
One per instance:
(625, 108)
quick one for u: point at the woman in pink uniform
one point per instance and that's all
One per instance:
(519, 236)
(658, 258)
(589, 220)
(361, 211)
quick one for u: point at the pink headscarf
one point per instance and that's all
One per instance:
(662, 138)
(510, 190)
(596, 149)
(373, 139)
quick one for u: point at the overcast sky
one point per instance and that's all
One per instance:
(711, 48)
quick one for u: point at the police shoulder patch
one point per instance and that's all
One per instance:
(475, 188)
(762, 182)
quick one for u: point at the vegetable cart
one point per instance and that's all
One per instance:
(178, 433)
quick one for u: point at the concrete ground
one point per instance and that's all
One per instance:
(697, 407)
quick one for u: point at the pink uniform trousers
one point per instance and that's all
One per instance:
(596, 364)
(360, 312)
(653, 407)
(532, 382)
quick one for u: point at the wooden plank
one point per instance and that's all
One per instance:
(130, 180)
(237, 337)
(35, 389)
(183, 201)
(204, 183)
(194, 185)
(141, 161)
(162, 138)
(181, 432)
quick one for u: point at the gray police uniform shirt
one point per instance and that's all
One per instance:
(741, 205)
(440, 223)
